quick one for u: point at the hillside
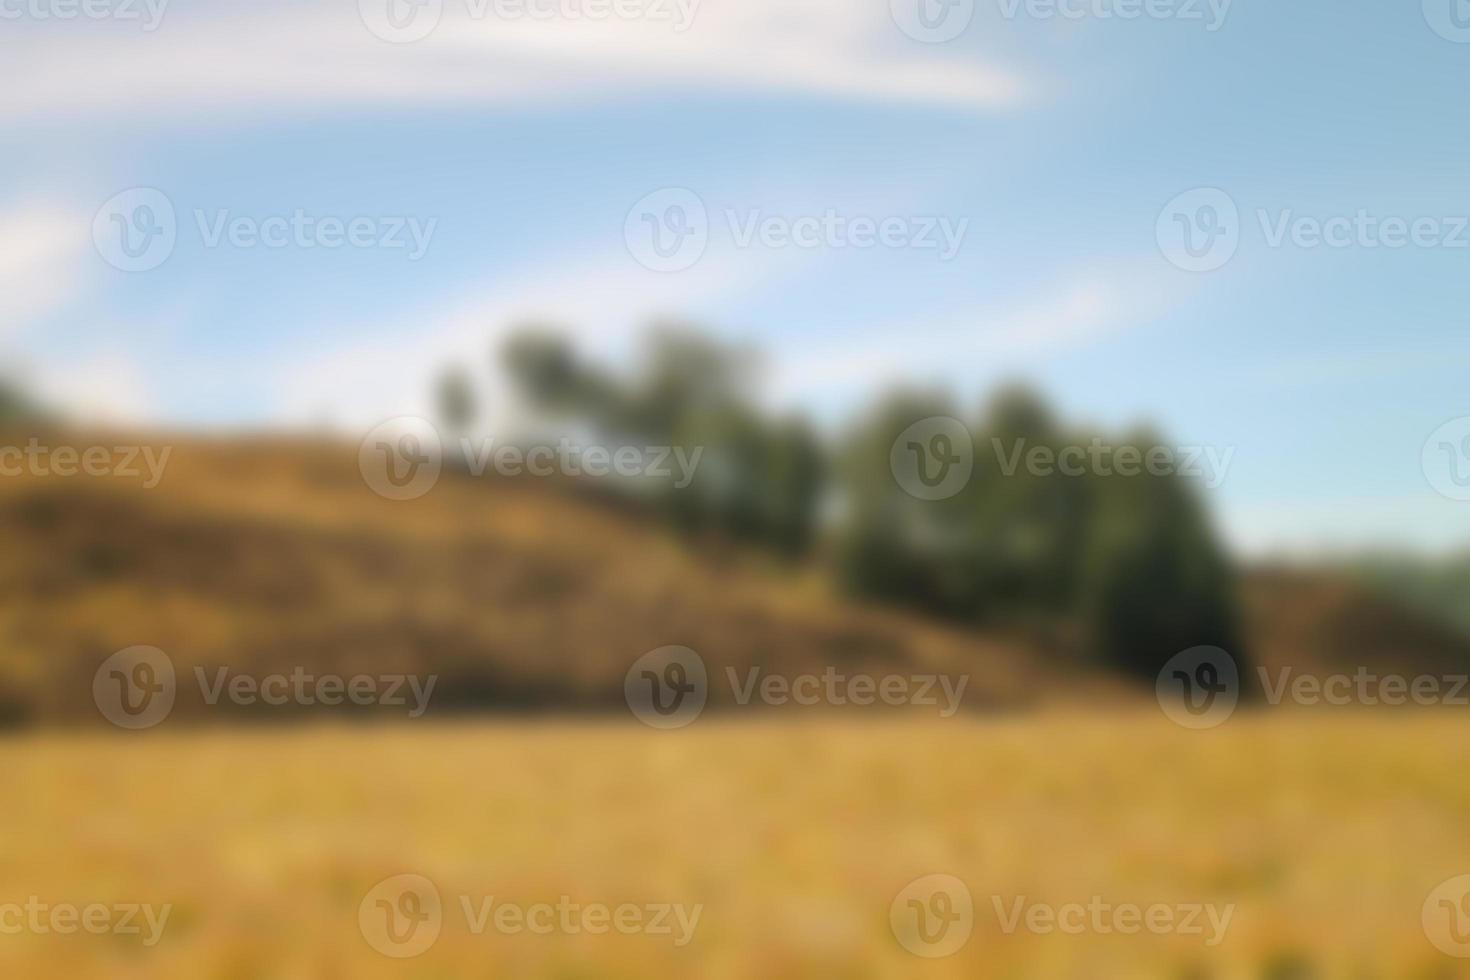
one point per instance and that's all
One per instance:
(266, 555)
(1318, 622)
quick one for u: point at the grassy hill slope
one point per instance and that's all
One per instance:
(265, 554)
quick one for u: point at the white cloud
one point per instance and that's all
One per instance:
(1078, 311)
(41, 251)
(109, 387)
(276, 58)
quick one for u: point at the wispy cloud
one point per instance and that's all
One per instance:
(42, 248)
(288, 58)
(1083, 308)
(110, 387)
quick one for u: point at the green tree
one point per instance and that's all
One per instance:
(456, 397)
(1155, 580)
(758, 478)
(1128, 563)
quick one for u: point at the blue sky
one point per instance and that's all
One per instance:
(1058, 140)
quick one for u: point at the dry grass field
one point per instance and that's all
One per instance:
(1327, 831)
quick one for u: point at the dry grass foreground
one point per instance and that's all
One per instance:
(1327, 830)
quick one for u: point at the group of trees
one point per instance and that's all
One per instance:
(1129, 563)
(15, 406)
(758, 478)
